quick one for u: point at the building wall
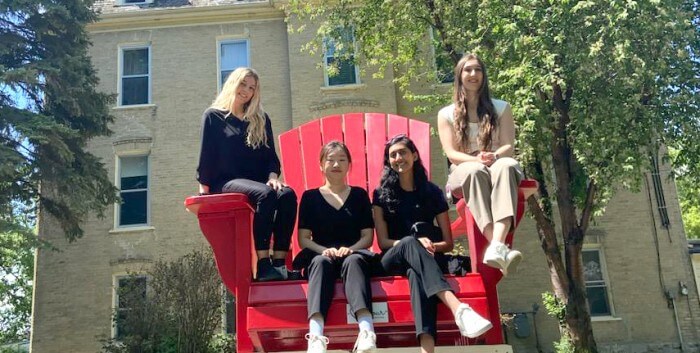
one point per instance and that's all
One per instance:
(73, 295)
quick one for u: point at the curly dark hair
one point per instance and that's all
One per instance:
(389, 184)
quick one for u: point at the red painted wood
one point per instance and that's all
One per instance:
(226, 221)
(332, 128)
(420, 135)
(272, 316)
(355, 140)
(396, 125)
(310, 137)
(375, 125)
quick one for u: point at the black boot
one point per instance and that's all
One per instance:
(267, 272)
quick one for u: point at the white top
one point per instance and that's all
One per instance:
(448, 113)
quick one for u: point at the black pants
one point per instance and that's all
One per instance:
(268, 202)
(410, 258)
(322, 273)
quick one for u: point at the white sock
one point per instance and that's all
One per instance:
(365, 321)
(496, 242)
(316, 325)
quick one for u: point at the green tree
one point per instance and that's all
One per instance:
(179, 312)
(49, 109)
(596, 88)
(16, 271)
(689, 197)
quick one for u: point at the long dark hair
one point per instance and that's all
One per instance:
(486, 112)
(389, 184)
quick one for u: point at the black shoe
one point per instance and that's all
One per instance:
(294, 275)
(266, 272)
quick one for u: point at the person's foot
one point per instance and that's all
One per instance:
(513, 259)
(470, 323)
(495, 255)
(366, 342)
(282, 270)
(317, 344)
(267, 272)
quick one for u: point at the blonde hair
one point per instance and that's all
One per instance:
(253, 111)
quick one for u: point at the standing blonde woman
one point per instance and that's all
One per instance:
(477, 134)
(238, 155)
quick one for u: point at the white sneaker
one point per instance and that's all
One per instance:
(495, 256)
(470, 323)
(513, 259)
(317, 344)
(366, 342)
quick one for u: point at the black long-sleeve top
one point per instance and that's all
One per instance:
(224, 155)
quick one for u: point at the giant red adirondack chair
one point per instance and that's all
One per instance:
(272, 316)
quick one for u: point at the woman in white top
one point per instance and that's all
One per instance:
(477, 134)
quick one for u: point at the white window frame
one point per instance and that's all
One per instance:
(606, 279)
(117, 183)
(121, 76)
(115, 296)
(326, 78)
(229, 40)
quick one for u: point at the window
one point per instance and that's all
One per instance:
(232, 55)
(597, 286)
(135, 76)
(130, 298)
(133, 182)
(339, 62)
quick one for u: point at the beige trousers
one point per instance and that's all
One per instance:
(491, 192)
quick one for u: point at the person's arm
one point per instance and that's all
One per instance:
(208, 154)
(381, 228)
(273, 163)
(446, 245)
(306, 241)
(506, 133)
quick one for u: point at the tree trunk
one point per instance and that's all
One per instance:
(578, 319)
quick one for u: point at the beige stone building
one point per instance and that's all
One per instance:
(164, 60)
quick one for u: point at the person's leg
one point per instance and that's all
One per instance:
(427, 343)
(355, 275)
(322, 275)
(424, 308)
(264, 199)
(471, 181)
(285, 219)
(470, 323)
(409, 253)
(506, 175)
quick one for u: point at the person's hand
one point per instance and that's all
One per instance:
(330, 252)
(344, 251)
(428, 245)
(275, 184)
(487, 158)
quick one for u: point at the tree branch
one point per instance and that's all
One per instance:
(588, 206)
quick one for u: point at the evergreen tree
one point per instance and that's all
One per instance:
(49, 109)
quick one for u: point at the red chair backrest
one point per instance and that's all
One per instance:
(365, 134)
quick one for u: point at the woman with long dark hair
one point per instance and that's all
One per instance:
(406, 206)
(238, 155)
(477, 134)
